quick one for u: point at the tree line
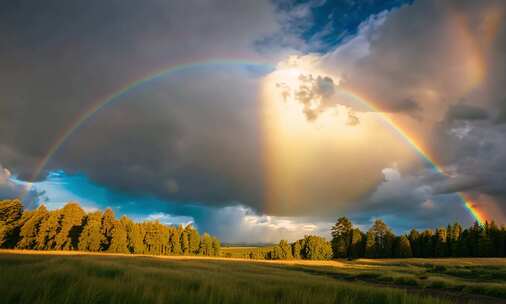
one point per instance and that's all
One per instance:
(478, 240)
(71, 228)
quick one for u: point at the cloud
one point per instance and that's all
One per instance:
(462, 111)
(10, 189)
(197, 138)
(406, 201)
(240, 223)
(180, 137)
(168, 219)
(315, 94)
(438, 78)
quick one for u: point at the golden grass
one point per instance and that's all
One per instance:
(331, 263)
(95, 278)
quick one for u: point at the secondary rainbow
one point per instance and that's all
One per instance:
(108, 99)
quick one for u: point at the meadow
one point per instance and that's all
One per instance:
(70, 277)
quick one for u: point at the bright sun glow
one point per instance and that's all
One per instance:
(299, 150)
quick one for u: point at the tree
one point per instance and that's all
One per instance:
(427, 243)
(217, 246)
(497, 239)
(10, 213)
(30, 229)
(70, 227)
(370, 245)
(193, 239)
(282, 251)
(485, 245)
(316, 248)
(297, 249)
(357, 244)
(91, 238)
(414, 240)
(341, 237)
(185, 243)
(403, 249)
(206, 245)
(49, 228)
(156, 238)
(174, 241)
(441, 246)
(108, 219)
(119, 242)
(382, 238)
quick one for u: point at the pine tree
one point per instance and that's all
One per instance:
(137, 243)
(91, 238)
(153, 237)
(119, 242)
(383, 238)
(404, 248)
(194, 239)
(174, 241)
(70, 227)
(485, 245)
(370, 245)
(341, 237)
(108, 219)
(206, 245)
(441, 247)
(49, 228)
(473, 239)
(30, 229)
(456, 234)
(414, 241)
(357, 244)
(427, 244)
(185, 243)
(10, 213)
(135, 240)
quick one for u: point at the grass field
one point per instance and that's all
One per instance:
(71, 278)
(245, 252)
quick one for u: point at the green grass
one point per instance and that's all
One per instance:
(114, 279)
(485, 277)
(245, 252)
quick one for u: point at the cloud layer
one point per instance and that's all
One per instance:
(199, 137)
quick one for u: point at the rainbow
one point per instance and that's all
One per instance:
(100, 103)
(410, 139)
(103, 101)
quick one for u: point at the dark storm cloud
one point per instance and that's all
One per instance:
(194, 141)
(444, 64)
(194, 137)
(462, 111)
(189, 138)
(478, 156)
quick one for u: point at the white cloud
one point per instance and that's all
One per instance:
(240, 224)
(169, 219)
(10, 188)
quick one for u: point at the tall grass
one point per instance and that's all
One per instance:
(105, 279)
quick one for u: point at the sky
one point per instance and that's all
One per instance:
(257, 120)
